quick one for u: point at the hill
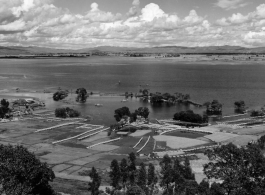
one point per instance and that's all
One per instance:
(19, 50)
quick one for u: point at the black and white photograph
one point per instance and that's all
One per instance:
(132, 97)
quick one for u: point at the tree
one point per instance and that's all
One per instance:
(151, 177)
(82, 95)
(60, 95)
(124, 170)
(93, 186)
(240, 106)
(145, 92)
(187, 174)
(242, 170)
(22, 173)
(4, 109)
(216, 189)
(115, 173)
(142, 111)
(213, 108)
(66, 112)
(189, 116)
(156, 99)
(132, 167)
(135, 190)
(167, 173)
(121, 112)
(191, 187)
(255, 113)
(142, 178)
(204, 188)
(178, 179)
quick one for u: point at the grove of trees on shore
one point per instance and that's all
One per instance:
(190, 116)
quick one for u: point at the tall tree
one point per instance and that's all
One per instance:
(132, 167)
(124, 171)
(204, 188)
(187, 170)
(142, 178)
(4, 108)
(178, 179)
(166, 173)
(151, 177)
(115, 173)
(93, 186)
(22, 173)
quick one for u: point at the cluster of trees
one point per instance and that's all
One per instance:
(213, 108)
(22, 173)
(66, 112)
(240, 106)
(159, 98)
(190, 116)
(174, 177)
(124, 113)
(255, 113)
(240, 170)
(82, 95)
(4, 108)
(60, 95)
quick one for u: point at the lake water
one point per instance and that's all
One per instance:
(204, 82)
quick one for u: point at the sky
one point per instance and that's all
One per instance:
(77, 24)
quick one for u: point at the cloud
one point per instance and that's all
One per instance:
(151, 11)
(238, 18)
(25, 7)
(39, 22)
(96, 15)
(134, 9)
(230, 4)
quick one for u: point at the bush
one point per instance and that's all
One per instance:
(66, 112)
(60, 95)
(189, 116)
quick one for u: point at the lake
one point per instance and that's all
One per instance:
(204, 82)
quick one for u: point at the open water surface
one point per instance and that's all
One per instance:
(226, 83)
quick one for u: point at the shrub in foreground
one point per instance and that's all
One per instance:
(22, 173)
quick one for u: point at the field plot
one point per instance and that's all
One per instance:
(141, 144)
(126, 141)
(105, 147)
(192, 135)
(259, 130)
(179, 142)
(242, 140)
(220, 137)
(140, 133)
(149, 147)
(161, 146)
(96, 137)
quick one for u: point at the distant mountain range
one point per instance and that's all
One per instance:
(16, 50)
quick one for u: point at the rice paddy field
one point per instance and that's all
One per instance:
(73, 159)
